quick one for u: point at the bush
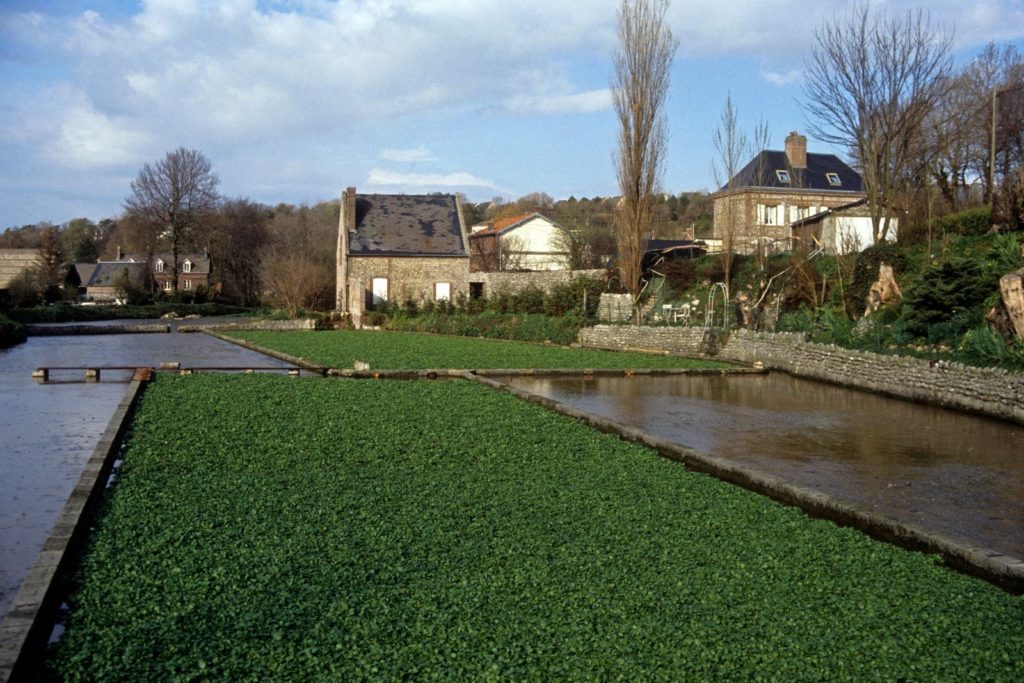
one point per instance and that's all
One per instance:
(947, 299)
(568, 297)
(26, 289)
(680, 275)
(11, 333)
(968, 222)
(865, 272)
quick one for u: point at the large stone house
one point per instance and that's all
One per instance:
(525, 242)
(399, 247)
(100, 279)
(778, 188)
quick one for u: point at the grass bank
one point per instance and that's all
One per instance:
(266, 527)
(409, 351)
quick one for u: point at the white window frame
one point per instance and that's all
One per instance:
(769, 214)
(186, 284)
(442, 291)
(159, 265)
(186, 267)
(833, 179)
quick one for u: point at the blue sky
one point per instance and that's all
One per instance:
(293, 100)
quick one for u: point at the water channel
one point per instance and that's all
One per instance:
(949, 473)
(48, 431)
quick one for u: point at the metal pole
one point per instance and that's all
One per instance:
(992, 152)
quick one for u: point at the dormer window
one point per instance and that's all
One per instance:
(833, 179)
(159, 265)
(782, 175)
(186, 267)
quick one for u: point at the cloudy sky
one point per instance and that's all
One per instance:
(292, 100)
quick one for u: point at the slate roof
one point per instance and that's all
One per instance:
(813, 178)
(200, 262)
(407, 225)
(107, 273)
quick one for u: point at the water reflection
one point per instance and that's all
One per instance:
(959, 475)
(48, 431)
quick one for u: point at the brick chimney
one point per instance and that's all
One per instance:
(796, 150)
(348, 211)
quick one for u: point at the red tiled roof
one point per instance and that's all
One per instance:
(504, 224)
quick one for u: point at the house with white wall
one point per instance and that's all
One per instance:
(524, 242)
(845, 229)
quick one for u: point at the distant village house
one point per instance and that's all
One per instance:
(778, 189)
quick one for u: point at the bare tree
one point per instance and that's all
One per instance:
(639, 89)
(298, 263)
(871, 82)
(175, 196)
(237, 248)
(731, 146)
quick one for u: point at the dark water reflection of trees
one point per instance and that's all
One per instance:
(957, 474)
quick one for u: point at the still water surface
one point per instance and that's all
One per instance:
(947, 472)
(48, 431)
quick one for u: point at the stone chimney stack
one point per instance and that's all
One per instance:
(348, 211)
(796, 150)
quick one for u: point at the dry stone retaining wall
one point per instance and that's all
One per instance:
(514, 281)
(989, 391)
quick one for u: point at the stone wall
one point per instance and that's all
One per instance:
(993, 392)
(615, 308)
(408, 277)
(514, 281)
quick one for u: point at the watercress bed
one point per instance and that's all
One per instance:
(324, 529)
(404, 350)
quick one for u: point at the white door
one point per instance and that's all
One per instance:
(380, 290)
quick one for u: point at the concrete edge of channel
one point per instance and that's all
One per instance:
(1004, 571)
(26, 627)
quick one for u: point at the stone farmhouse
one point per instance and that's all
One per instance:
(399, 247)
(779, 188)
(525, 242)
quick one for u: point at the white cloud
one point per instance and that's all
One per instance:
(380, 177)
(576, 103)
(420, 153)
(783, 79)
